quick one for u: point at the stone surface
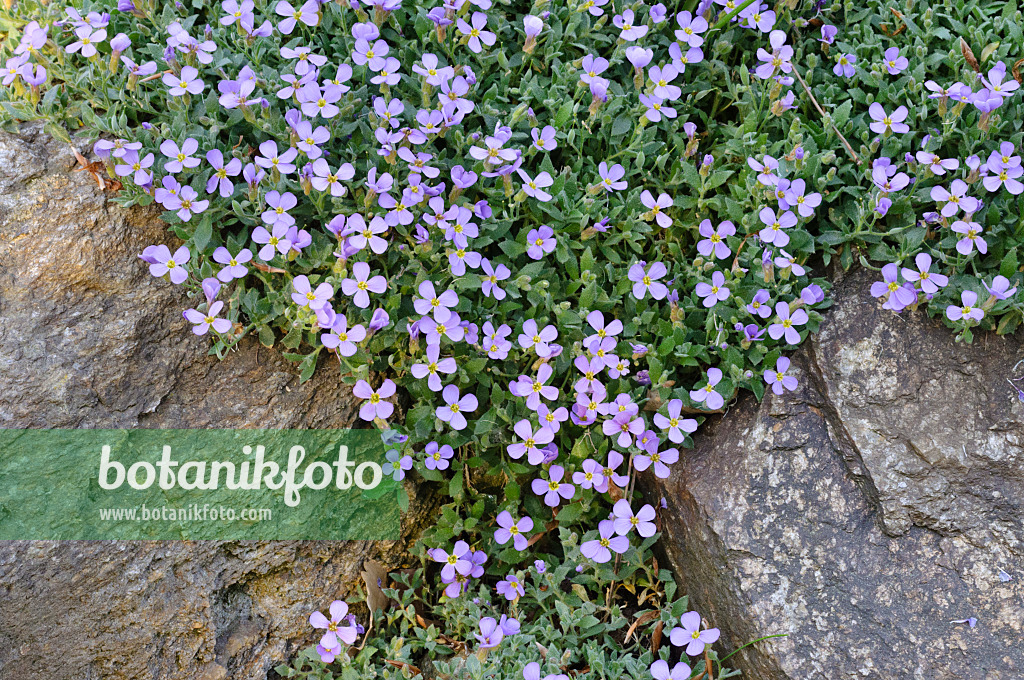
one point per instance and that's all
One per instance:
(864, 512)
(89, 339)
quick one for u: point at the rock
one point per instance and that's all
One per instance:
(90, 339)
(863, 513)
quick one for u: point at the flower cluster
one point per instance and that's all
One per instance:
(540, 263)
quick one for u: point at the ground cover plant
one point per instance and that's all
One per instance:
(542, 242)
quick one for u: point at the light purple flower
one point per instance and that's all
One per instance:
(362, 285)
(455, 407)
(540, 242)
(341, 338)
(777, 379)
(645, 281)
(714, 292)
(691, 635)
(677, 426)
(884, 122)
(304, 294)
(375, 406)
(476, 32)
(188, 82)
(772, 232)
(308, 14)
(535, 187)
(707, 394)
(967, 311)
(893, 62)
(513, 529)
(553, 489)
(972, 239)
(787, 323)
(436, 456)
(335, 632)
(600, 549)
(714, 239)
(1000, 288)
(432, 367)
(625, 520)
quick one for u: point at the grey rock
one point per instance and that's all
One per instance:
(89, 339)
(862, 513)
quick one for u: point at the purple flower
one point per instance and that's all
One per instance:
(660, 671)
(513, 529)
(828, 34)
(657, 207)
(630, 30)
(341, 338)
(899, 296)
(591, 476)
(305, 296)
(233, 264)
(540, 242)
(691, 635)
(273, 242)
(219, 178)
(893, 62)
(335, 631)
(787, 323)
(599, 549)
(777, 379)
(362, 285)
(539, 340)
(659, 459)
(535, 187)
(544, 140)
(759, 304)
(132, 165)
(186, 83)
(375, 406)
(971, 237)
(434, 365)
(181, 158)
(968, 311)
(780, 58)
(611, 178)
(553, 489)
(774, 225)
(884, 122)
(714, 292)
(531, 441)
(476, 32)
(674, 423)
(510, 587)
(185, 203)
(662, 78)
(490, 634)
(999, 287)
(457, 562)
(955, 199)
(690, 29)
(455, 406)
(87, 40)
(930, 282)
(714, 239)
(627, 427)
(937, 164)
(707, 394)
(269, 158)
(534, 389)
(203, 321)
(436, 456)
(625, 520)
(645, 281)
(308, 14)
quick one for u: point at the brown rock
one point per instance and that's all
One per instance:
(89, 339)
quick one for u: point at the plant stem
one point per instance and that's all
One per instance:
(822, 112)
